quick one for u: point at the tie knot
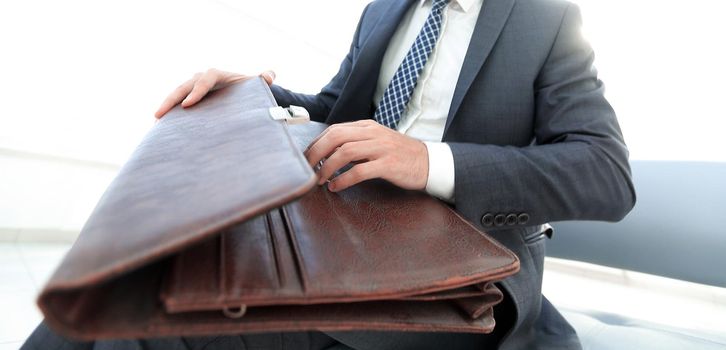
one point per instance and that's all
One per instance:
(439, 4)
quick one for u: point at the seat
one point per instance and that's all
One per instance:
(601, 331)
(677, 230)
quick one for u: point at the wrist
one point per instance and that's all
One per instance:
(423, 169)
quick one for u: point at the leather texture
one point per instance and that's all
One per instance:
(186, 180)
(214, 226)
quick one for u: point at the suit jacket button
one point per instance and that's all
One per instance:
(511, 219)
(499, 220)
(523, 218)
(487, 220)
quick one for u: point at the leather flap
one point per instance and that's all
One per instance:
(198, 170)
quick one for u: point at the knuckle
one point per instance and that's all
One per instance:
(387, 142)
(329, 130)
(313, 150)
(201, 84)
(353, 175)
(335, 135)
(346, 150)
(360, 172)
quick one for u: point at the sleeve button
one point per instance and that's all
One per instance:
(487, 220)
(500, 220)
(511, 219)
(523, 218)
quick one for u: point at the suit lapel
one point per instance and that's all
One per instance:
(489, 25)
(356, 99)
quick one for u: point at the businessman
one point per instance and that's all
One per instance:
(492, 106)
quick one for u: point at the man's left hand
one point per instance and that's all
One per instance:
(377, 152)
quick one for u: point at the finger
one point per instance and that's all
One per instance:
(345, 154)
(334, 127)
(269, 76)
(333, 139)
(174, 98)
(354, 176)
(201, 87)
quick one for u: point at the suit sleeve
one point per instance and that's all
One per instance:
(577, 168)
(319, 105)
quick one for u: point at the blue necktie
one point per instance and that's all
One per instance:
(399, 91)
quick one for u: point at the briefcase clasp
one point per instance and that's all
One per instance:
(292, 114)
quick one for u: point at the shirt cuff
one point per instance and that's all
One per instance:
(440, 183)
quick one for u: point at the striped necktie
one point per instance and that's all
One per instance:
(399, 91)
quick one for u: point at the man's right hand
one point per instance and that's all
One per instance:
(194, 89)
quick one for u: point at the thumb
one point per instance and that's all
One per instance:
(269, 76)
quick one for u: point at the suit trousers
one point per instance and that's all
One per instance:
(43, 338)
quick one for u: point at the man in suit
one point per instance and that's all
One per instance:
(490, 105)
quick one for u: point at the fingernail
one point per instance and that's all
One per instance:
(331, 187)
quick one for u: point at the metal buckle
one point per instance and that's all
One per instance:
(292, 114)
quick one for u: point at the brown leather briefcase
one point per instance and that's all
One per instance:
(215, 226)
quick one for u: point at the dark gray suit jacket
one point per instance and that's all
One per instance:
(529, 129)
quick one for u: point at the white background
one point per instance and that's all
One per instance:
(81, 79)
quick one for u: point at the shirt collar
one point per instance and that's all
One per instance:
(462, 5)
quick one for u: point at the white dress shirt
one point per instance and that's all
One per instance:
(427, 111)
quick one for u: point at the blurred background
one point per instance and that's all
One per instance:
(80, 81)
